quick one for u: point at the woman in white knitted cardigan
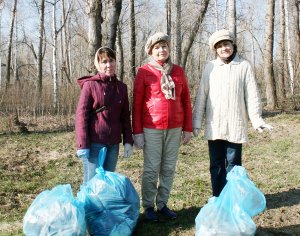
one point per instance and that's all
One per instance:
(227, 96)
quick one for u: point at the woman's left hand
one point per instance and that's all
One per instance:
(186, 137)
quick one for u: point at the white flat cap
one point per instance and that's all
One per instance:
(220, 35)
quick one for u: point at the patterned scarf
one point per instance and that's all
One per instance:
(166, 82)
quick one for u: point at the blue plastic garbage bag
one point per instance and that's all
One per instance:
(55, 212)
(231, 213)
(111, 202)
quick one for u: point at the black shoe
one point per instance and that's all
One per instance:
(150, 215)
(168, 213)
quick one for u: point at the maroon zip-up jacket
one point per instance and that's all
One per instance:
(107, 126)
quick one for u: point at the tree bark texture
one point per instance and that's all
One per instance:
(178, 33)
(195, 29)
(94, 32)
(11, 30)
(268, 57)
(132, 40)
(232, 16)
(113, 23)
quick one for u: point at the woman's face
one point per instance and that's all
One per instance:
(160, 51)
(224, 48)
(107, 65)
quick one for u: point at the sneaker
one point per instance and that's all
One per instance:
(150, 215)
(168, 213)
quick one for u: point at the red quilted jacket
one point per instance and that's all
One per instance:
(150, 107)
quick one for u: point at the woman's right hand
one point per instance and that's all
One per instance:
(83, 153)
(196, 131)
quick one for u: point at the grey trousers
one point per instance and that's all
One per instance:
(160, 156)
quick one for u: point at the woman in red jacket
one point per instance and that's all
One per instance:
(162, 118)
(102, 116)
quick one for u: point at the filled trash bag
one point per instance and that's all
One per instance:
(231, 213)
(111, 202)
(55, 212)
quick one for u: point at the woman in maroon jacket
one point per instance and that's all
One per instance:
(102, 116)
(162, 117)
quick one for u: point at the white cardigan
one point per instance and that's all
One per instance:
(228, 94)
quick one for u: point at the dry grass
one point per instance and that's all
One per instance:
(39, 160)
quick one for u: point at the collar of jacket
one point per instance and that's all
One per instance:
(236, 60)
(98, 77)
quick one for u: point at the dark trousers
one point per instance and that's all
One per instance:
(223, 156)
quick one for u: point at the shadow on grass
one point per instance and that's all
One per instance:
(185, 221)
(60, 129)
(290, 230)
(290, 197)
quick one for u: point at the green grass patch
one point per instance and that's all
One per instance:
(35, 162)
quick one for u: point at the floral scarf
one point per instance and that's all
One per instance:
(166, 81)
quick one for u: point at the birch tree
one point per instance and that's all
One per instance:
(296, 23)
(66, 44)
(232, 16)
(216, 16)
(55, 32)
(54, 57)
(281, 64)
(288, 47)
(268, 56)
(132, 40)
(40, 48)
(120, 55)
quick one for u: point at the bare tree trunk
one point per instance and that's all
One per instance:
(169, 19)
(120, 55)
(280, 70)
(288, 47)
(54, 58)
(95, 37)
(132, 40)
(1, 8)
(216, 15)
(232, 16)
(194, 32)
(40, 49)
(296, 23)
(268, 57)
(178, 32)
(54, 53)
(16, 74)
(114, 19)
(65, 45)
(296, 13)
(11, 30)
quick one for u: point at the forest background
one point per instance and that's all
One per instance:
(47, 45)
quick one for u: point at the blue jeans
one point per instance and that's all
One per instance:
(223, 156)
(92, 163)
